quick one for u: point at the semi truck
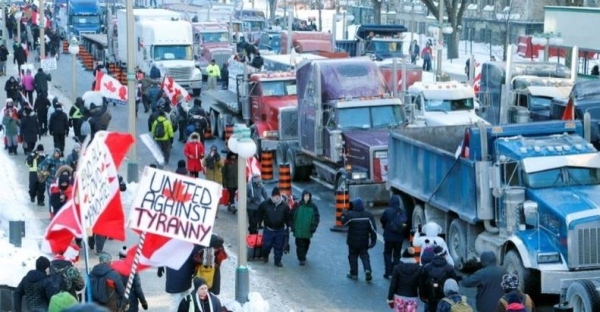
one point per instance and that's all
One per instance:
(583, 98)
(528, 192)
(307, 42)
(414, 73)
(379, 42)
(264, 100)
(286, 62)
(211, 42)
(160, 39)
(343, 119)
(253, 21)
(79, 17)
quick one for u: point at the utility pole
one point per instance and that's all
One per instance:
(4, 16)
(440, 44)
(42, 27)
(132, 164)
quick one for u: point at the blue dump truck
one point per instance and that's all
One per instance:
(530, 193)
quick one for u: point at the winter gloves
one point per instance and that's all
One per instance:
(160, 272)
(145, 305)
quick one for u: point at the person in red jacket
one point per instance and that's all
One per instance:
(60, 193)
(194, 152)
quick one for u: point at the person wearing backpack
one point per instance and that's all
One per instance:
(453, 302)
(68, 277)
(394, 223)
(433, 278)
(487, 280)
(107, 286)
(162, 132)
(510, 284)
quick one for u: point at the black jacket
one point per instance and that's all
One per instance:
(405, 280)
(389, 214)
(20, 57)
(487, 280)
(41, 105)
(437, 269)
(11, 87)
(36, 288)
(184, 305)
(29, 127)
(257, 62)
(136, 294)
(275, 216)
(178, 281)
(362, 230)
(41, 81)
(3, 54)
(59, 123)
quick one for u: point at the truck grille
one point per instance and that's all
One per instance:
(81, 33)
(584, 246)
(221, 58)
(180, 73)
(288, 123)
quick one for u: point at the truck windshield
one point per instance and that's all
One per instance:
(215, 37)
(565, 176)
(85, 19)
(448, 105)
(278, 88)
(386, 46)
(370, 117)
(172, 52)
(254, 25)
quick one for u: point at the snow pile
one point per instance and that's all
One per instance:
(19, 260)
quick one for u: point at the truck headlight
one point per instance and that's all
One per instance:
(270, 133)
(548, 257)
(359, 175)
(196, 74)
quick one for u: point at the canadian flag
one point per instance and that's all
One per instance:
(36, 19)
(173, 89)
(252, 167)
(158, 251)
(66, 224)
(477, 78)
(110, 87)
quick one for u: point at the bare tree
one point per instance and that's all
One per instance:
(507, 15)
(455, 10)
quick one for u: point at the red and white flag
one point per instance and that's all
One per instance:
(173, 89)
(110, 87)
(63, 228)
(36, 19)
(252, 168)
(159, 251)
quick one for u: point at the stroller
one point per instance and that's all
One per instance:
(197, 123)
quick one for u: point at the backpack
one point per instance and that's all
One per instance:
(504, 301)
(99, 285)
(160, 130)
(174, 117)
(398, 224)
(61, 276)
(461, 306)
(436, 283)
(86, 128)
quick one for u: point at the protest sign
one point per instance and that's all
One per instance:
(95, 171)
(48, 64)
(176, 206)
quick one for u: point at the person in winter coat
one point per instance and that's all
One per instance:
(36, 188)
(153, 95)
(194, 153)
(179, 282)
(61, 192)
(48, 168)
(305, 216)
(36, 288)
(59, 127)
(29, 126)
(76, 117)
(28, 85)
(256, 195)
(276, 216)
(166, 140)
(487, 280)
(219, 255)
(41, 82)
(362, 236)
(73, 158)
(181, 117)
(41, 106)
(20, 56)
(392, 238)
(404, 286)
(68, 276)
(3, 58)
(154, 72)
(200, 300)
(451, 296)
(136, 294)
(115, 288)
(11, 124)
(197, 109)
(230, 176)
(433, 277)
(62, 301)
(12, 88)
(212, 165)
(181, 168)
(510, 284)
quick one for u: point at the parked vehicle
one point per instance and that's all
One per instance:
(79, 17)
(211, 42)
(379, 42)
(584, 98)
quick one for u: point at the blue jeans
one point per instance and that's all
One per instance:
(273, 239)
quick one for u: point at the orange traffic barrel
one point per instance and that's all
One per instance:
(266, 165)
(65, 46)
(207, 133)
(285, 180)
(89, 61)
(417, 249)
(342, 203)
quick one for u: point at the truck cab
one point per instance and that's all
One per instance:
(253, 23)
(82, 17)
(307, 42)
(270, 41)
(381, 42)
(211, 42)
(584, 98)
(532, 96)
(442, 104)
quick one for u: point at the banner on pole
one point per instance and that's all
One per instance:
(95, 168)
(175, 206)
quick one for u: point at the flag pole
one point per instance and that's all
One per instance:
(84, 240)
(138, 252)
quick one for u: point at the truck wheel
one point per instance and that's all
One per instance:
(418, 216)
(457, 242)
(213, 123)
(514, 264)
(196, 92)
(583, 296)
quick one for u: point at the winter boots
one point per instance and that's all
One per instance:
(12, 150)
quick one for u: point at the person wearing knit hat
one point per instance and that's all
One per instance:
(452, 298)
(69, 278)
(181, 168)
(114, 297)
(403, 293)
(201, 299)
(58, 127)
(36, 288)
(36, 188)
(230, 179)
(510, 283)
(487, 280)
(515, 304)
(74, 156)
(434, 275)
(61, 301)
(276, 216)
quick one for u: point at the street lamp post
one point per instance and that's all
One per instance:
(546, 40)
(132, 164)
(440, 30)
(42, 27)
(4, 16)
(18, 16)
(74, 50)
(242, 144)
